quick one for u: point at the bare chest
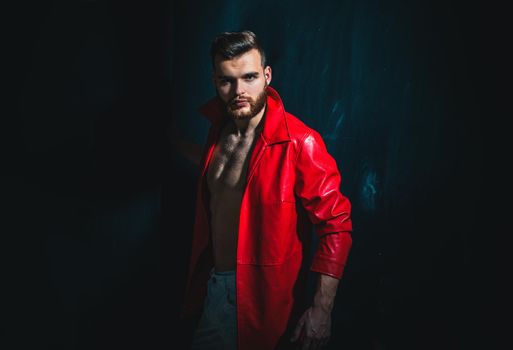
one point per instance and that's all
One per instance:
(228, 167)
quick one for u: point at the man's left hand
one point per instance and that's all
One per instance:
(313, 329)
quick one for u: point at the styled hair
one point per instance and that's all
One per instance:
(232, 44)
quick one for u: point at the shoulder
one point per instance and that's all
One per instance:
(300, 132)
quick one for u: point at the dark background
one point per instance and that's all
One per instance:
(99, 208)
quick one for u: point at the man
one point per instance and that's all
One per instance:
(265, 178)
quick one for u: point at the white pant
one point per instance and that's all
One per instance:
(217, 328)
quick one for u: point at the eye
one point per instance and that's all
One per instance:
(250, 78)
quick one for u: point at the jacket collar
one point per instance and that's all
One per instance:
(275, 125)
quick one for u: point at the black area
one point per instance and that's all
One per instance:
(99, 209)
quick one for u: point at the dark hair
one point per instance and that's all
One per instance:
(232, 44)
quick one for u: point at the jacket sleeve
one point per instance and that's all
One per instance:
(318, 187)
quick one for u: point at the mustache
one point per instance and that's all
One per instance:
(234, 101)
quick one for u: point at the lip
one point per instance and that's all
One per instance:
(240, 103)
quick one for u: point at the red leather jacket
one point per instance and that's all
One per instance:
(292, 182)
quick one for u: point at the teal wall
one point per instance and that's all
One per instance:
(100, 208)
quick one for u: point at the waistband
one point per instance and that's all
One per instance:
(222, 273)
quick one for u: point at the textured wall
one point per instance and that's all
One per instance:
(100, 209)
(388, 86)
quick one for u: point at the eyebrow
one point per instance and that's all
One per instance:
(245, 75)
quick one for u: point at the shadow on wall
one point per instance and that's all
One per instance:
(101, 209)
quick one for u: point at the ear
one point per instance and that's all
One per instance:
(268, 74)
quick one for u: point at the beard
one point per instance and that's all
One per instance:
(255, 106)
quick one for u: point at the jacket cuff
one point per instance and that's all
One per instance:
(327, 267)
(331, 255)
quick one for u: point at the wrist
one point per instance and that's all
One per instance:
(324, 303)
(325, 295)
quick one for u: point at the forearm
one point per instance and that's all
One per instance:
(325, 293)
(191, 151)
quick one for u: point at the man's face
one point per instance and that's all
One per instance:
(240, 83)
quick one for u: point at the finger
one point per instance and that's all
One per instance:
(313, 344)
(297, 331)
(316, 344)
(307, 342)
(324, 342)
(320, 344)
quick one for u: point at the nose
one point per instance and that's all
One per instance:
(239, 88)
